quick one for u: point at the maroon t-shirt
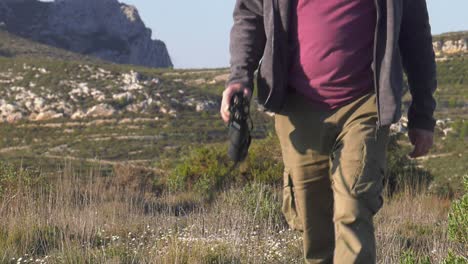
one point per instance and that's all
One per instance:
(332, 50)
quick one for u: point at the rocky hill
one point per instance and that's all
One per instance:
(449, 44)
(105, 29)
(55, 104)
(51, 108)
(42, 92)
(12, 46)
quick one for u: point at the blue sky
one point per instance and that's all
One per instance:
(197, 32)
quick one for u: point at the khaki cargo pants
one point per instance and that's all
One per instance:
(333, 180)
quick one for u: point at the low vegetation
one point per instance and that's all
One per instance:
(156, 187)
(202, 213)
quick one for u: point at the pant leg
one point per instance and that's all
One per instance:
(358, 165)
(306, 141)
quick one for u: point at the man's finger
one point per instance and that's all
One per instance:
(227, 95)
(224, 111)
(247, 93)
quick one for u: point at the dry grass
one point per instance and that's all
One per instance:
(415, 223)
(120, 218)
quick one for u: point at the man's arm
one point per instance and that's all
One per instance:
(247, 44)
(247, 41)
(419, 62)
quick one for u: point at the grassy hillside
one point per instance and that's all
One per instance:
(168, 125)
(159, 120)
(451, 36)
(452, 93)
(151, 183)
(15, 46)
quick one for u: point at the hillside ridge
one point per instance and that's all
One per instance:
(105, 29)
(450, 43)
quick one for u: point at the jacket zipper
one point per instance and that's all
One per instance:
(376, 85)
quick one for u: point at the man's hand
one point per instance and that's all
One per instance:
(227, 95)
(422, 140)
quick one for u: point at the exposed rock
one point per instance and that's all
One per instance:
(131, 78)
(83, 91)
(206, 106)
(131, 81)
(173, 112)
(450, 46)
(163, 110)
(125, 121)
(140, 106)
(399, 127)
(197, 82)
(7, 109)
(47, 115)
(123, 97)
(121, 93)
(14, 117)
(105, 29)
(78, 115)
(98, 95)
(443, 126)
(101, 110)
(9, 112)
(446, 131)
(39, 104)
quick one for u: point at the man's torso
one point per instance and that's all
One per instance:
(331, 50)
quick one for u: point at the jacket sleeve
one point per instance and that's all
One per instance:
(247, 41)
(419, 63)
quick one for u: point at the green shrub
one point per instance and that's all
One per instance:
(13, 179)
(120, 103)
(264, 163)
(206, 169)
(402, 172)
(409, 257)
(452, 258)
(458, 217)
(203, 171)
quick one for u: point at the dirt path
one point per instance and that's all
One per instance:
(6, 150)
(437, 156)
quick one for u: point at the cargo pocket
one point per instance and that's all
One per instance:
(368, 185)
(289, 207)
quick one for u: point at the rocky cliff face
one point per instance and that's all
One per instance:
(449, 47)
(451, 44)
(105, 29)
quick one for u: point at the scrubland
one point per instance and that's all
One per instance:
(200, 212)
(151, 183)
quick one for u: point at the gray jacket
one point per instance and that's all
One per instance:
(403, 40)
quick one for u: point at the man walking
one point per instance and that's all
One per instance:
(332, 71)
